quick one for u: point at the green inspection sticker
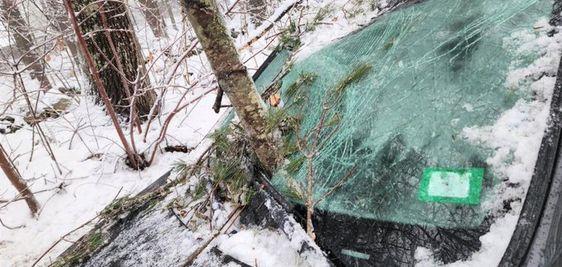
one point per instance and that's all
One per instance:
(451, 185)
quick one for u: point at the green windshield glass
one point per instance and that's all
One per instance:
(274, 68)
(436, 67)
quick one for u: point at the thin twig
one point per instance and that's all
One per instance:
(269, 27)
(69, 233)
(11, 227)
(339, 184)
(168, 120)
(201, 248)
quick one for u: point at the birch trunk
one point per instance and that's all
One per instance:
(232, 77)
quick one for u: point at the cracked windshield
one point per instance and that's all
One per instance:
(431, 71)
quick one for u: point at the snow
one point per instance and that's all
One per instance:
(156, 239)
(515, 139)
(4, 38)
(255, 33)
(90, 157)
(86, 146)
(262, 248)
(89, 182)
(338, 23)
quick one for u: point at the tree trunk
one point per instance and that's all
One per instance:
(111, 40)
(24, 41)
(152, 15)
(232, 77)
(258, 11)
(171, 14)
(13, 175)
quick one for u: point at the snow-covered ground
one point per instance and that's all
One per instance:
(85, 145)
(91, 161)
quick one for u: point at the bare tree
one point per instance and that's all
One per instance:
(19, 29)
(114, 46)
(55, 13)
(15, 178)
(151, 12)
(232, 77)
(135, 160)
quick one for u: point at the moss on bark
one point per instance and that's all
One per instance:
(233, 77)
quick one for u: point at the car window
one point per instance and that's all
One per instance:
(436, 69)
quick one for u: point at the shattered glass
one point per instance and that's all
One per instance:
(436, 67)
(273, 68)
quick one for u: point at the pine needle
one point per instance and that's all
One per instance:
(355, 75)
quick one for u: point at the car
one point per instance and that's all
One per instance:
(446, 150)
(441, 146)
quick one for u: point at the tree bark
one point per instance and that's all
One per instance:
(13, 175)
(113, 44)
(155, 20)
(24, 41)
(258, 11)
(135, 161)
(171, 14)
(232, 77)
